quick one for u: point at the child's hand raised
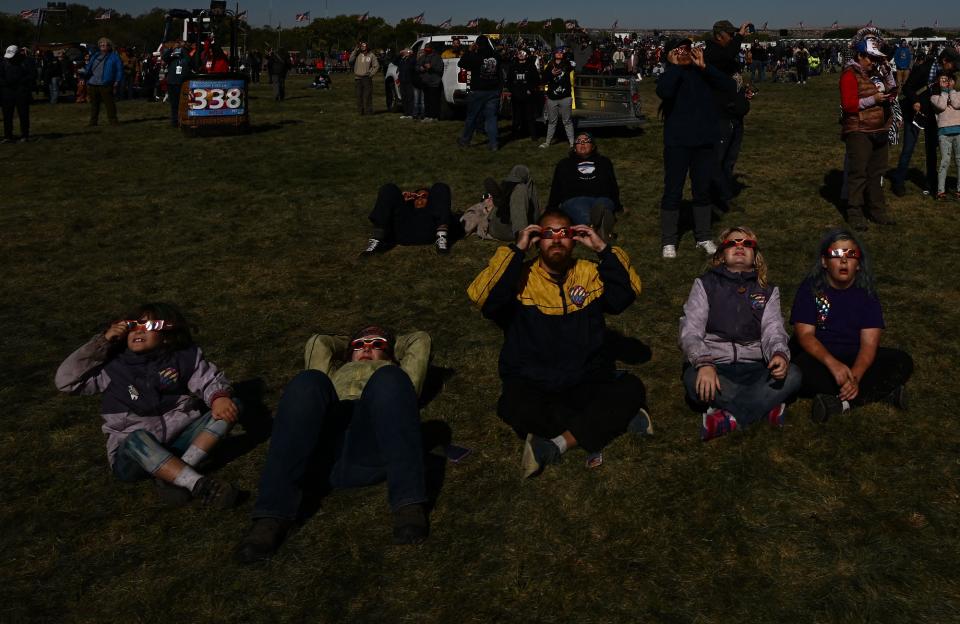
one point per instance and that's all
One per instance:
(116, 331)
(224, 408)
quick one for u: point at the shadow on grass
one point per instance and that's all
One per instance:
(256, 420)
(627, 349)
(267, 127)
(436, 377)
(127, 122)
(831, 191)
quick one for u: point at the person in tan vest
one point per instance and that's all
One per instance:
(868, 88)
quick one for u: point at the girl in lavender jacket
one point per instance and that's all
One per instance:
(733, 339)
(156, 385)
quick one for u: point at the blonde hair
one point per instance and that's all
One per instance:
(759, 264)
(104, 40)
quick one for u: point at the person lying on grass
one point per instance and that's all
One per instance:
(416, 217)
(352, 417)
(156, 385)
(837, 322)
(733, 339)
(560, 387)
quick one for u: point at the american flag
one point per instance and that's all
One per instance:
(29, 13)
(835, 25)
(499, 24)
(363, 18)
(936, 23)
(418, 19)
(801, 25)
(615, 24)
(105, 15)
(473, 23)
(242, 16)
(303, 17)
(446, 24)
(870, 24)
(764, 27)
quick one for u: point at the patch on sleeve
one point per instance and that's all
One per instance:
(578, 294)
(758, 300)
(134, 393)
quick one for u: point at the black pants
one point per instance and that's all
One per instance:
(728, 151)
(890, 369)
(398, 221)
(21, 103)
(406, 98)
(525, 111)
(363, 86)
(701, 162)
(595, 412)
(173, 96)
(431, 101)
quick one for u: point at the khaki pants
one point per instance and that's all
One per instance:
(364, 87)
(867, 162)
(104, 94)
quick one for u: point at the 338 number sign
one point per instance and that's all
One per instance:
(216, 98)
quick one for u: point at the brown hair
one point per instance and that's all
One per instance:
(759, 264)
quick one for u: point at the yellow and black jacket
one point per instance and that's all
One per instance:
(554, 332)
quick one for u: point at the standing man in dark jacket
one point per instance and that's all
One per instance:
(179, 69)
(16, 81)
(483, 63)
(523, 80)
(406, 68)
(52, 73)
(430, 70)
(917, 109)
(722, 53)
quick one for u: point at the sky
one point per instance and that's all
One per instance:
(693, 14)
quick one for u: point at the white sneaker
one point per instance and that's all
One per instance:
(669, 251)
(544, 145)
(404, 116)
(708, 247)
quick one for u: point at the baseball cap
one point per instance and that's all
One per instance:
(11, 52)
(676, 42)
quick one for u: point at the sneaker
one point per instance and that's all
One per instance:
(707, 246)
(374, 245)
(717, 423)
(410, 525)
(262, 541)
(172, 495)
(881, 217)
(775, 416)
(405, 117)
(537, 454)
(824, 407)
(669, 251)
(941, 196)
(544, 145)
(956, 195)
(898, 398)
(641, 424)
(5, 140)
(443, 247)
(215, 493)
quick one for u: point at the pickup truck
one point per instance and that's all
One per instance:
(454, 79)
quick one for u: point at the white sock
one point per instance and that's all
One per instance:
(193, 456)
(561, 443)
(187, 478)
(846, 405)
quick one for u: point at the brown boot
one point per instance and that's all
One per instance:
(881, 217)
(856, 219)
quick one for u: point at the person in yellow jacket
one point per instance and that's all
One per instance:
(560, 387)
(354, 412)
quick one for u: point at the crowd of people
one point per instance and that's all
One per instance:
(351, 418)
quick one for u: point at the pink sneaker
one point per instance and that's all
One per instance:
(716, 423)
(775, 416)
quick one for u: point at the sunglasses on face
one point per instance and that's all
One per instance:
(375, 342)
(843, 253)
(583, 141)
(148, 325)
(746, 243)
(563, 232)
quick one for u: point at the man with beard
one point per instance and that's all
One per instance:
(560, 388)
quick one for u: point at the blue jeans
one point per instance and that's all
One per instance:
(141, 454)
(482, 103)
(746, 389)
(758, 71)
(579, 208)
(356, 443)
(911, 134)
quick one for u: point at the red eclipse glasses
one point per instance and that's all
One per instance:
(746, 243)
(378, 343)
(843, 253)
(148, 325)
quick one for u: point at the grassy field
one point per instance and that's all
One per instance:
(257, 238)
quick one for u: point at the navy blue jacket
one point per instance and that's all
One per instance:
(690, 115)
